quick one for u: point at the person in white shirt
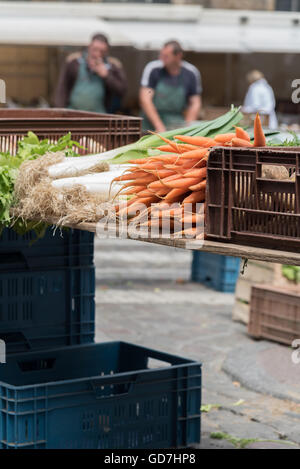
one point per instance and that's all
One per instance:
(260, 98)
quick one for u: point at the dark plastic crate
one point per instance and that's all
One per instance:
(218, 272)
(243, 207)
(96, 132)
(47, 309)
(99, 396)
(66, 248)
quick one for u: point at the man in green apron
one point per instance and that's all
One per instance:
(171, 89)
(92, 81)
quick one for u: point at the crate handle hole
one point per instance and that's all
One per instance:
(154, 363)
(26, 429)
(37, 365)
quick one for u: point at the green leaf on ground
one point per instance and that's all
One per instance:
(209, 407)
(238, 403)
(242, 443)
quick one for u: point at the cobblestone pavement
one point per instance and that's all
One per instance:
(144, 296)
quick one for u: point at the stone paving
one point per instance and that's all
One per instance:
(144, 296)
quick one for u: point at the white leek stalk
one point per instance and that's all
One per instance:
(97, 183)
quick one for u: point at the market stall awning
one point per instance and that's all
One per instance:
(221, 31)
(56, 31)
(147, 26)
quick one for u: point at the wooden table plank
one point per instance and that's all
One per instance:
(226, 249)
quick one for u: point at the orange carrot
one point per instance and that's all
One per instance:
(172, 213)
(224, 138)
(162, 173)
(200, 153)
(166, 159)
(192, 218)
(189, 233)
(195, 163)
(195, 198)
(148, 192)
(175, 193)
(166, 149)
(180, 148)
(134, 190)
(182, 183)
(139, 205)
(198, 187)
(241, 133)
(199, 141)
(259, 136)
(160, 184)
(175, 168)
(166, 140)
(187, 147)
(143, 181)
(151, 165)
(238, 142)
(138, 161)
(196, 173)
(130, 176)
(125, 204)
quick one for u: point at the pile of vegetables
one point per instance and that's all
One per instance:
(143, 173)
(177, 176)
(29, 148)
(145, 147)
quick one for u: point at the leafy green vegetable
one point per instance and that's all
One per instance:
(30, 147)
(287, 142)
(7, 180)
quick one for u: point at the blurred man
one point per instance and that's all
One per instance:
(260, 98)
(92, 81)
(171, 89)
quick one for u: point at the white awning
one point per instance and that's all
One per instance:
(56, 31)
(148, 26)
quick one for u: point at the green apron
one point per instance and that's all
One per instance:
(170, 102)
(88, 93)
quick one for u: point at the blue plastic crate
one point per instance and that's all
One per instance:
(47, 309)
(56, 249)
(99, 396)
(218, 272)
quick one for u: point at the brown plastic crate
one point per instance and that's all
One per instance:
(96, 132)
(245, 208)
(275, 314)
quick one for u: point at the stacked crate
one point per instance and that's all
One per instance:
(47, 289)
(214, 271)
(58, 389)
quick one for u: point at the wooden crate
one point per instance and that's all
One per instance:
(275, 314)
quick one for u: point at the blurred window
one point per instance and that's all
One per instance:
(288, 5)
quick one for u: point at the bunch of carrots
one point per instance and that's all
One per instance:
(177, 176)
